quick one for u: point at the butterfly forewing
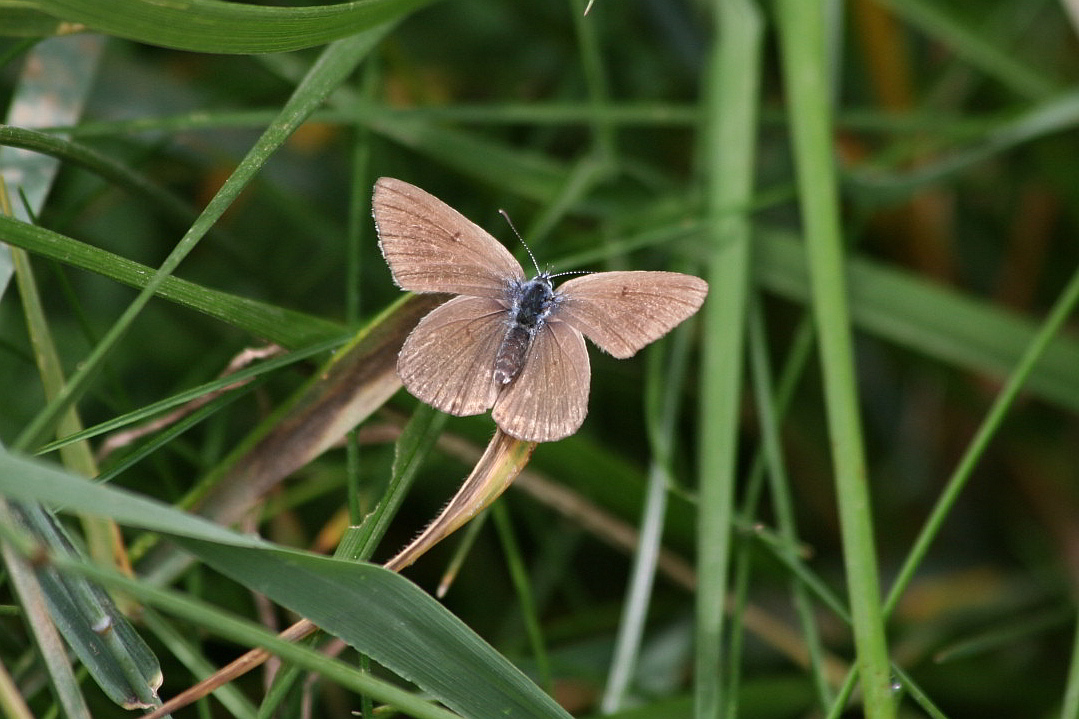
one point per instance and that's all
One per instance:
(430, 247)
(448, 360)
(623, 311)
(549, 399)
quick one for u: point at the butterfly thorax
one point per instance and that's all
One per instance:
(531, 302)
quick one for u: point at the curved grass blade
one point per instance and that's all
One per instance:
(355, 382)
(116, 656)
(282, 326)
(31, 597)
(400, 626)
(1055, 114)
(500, 464)
(226, 27)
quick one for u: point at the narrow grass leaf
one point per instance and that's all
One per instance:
(285, 327)
(413, 447)
(665, 381)
(1062, 309)
(154, 409)
(1056, 114)
(31, 598)
(226, 27)
(954, 327)
(963, 38)
(521, 172)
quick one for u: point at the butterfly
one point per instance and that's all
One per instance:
(506, 341)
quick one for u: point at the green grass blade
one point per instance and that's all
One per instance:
(121, 663)
(283, 326)
(522, 585)
(728, 160)
(149, 411)
(1007, 396)
(805, 65)
(666, 374)
(1055, 114)
(400, 626)
(51, 647)
(412, 449)
(783, 504)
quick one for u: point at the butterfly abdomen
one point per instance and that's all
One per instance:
(511, 354)
(532, 302)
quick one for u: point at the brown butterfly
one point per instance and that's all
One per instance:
(509, 342)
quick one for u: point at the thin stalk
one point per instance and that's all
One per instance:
(523, 586)
(1063, 307)
(782, 502)
(665, 380)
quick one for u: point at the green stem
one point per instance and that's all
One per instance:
(728, 163)
(805, 64)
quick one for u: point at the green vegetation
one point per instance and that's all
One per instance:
(848, 484)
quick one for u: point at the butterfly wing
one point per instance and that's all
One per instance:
(624, 311)
(431, 247)
(549, 399)
(448, 361)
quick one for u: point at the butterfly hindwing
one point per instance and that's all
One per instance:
(448, 360)
(549, 398)
(430, 247)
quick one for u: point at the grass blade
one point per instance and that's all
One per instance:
(729, 158)
(805, 64)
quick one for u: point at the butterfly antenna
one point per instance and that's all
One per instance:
(527, 248)
(572, 272)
